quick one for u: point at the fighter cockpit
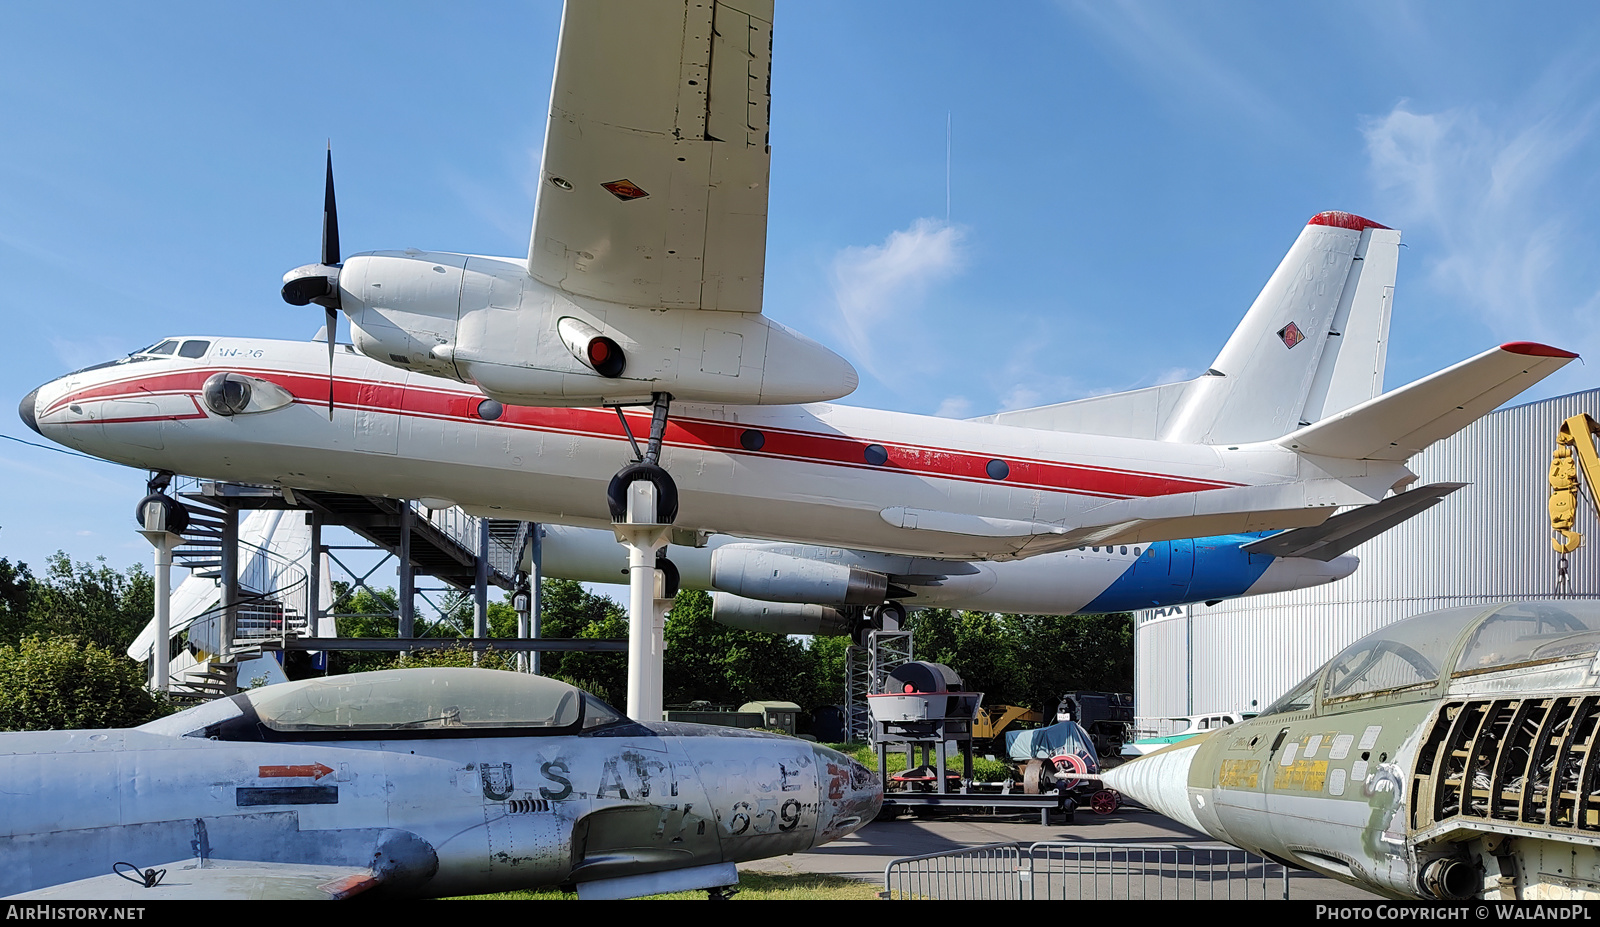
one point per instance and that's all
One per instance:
(406, 703)
(1546, 643)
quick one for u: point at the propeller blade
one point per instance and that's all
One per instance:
(333, 323)
(330, 220)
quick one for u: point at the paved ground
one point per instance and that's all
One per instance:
(864, 854)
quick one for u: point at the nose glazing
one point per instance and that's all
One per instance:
(28, 409)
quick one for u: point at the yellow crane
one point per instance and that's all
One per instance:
(1575, 450)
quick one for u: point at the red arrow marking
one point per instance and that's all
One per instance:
(316, 771)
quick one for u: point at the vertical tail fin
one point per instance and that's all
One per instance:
(1314, 342)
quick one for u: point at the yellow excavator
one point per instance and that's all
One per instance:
(1575, 450)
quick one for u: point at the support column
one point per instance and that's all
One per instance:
(314, 577)
(535, 595)
(408, 582)
(643, 536)
(480, 588)
(161, 648)
(230, 583)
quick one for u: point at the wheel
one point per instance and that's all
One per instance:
(174, 519)
(669, 574)
(666, 492)
(1031, 774)
(1066, 765)
(890, 616)
(1106, 801)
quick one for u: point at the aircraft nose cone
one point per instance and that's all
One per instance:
(1160, 781)
(28, 409)
(851, 795)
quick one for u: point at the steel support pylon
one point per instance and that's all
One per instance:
(866, 666)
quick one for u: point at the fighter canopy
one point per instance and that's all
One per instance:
(440, 701)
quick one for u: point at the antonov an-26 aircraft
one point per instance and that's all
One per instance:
(486, 381)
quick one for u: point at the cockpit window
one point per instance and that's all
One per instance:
(1532, 632)
(165, 347)
(402, 700)
(194, 349)
(1298, 698)
(435, 702)
(1403, 655)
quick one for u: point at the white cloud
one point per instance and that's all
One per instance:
(1020, 396)
(1176, 57)
(879, 288)
(1501, 200)
(955, 407)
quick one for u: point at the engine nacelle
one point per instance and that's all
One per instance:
(758, 572)
(779, 617)
(486, 321)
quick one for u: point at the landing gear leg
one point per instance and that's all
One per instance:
(890, 616)
(643, 501)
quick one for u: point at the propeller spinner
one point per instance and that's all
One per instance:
(319, 283)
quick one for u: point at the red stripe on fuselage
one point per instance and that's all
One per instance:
(778, 443)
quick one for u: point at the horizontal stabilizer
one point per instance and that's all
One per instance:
(1399, 424)
(1348, 530)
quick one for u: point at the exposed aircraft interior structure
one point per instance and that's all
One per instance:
(410, 783)
(1447, 756)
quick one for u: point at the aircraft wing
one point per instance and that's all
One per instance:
(1351, 529)
(220, 880)
(653, 190)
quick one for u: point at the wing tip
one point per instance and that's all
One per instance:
(1535, 349)
(1345, 220)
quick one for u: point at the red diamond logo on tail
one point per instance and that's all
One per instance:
(1291, 335)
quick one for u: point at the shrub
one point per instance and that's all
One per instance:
(61, 682)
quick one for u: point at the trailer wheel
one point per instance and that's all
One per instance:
(1106, 801)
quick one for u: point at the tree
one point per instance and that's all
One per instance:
(708, 661)
(16, 594)
(93, 602)
(62, 681)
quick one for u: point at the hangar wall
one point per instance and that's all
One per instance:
(1488, 541)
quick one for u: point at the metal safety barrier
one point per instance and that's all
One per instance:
(1099, 871)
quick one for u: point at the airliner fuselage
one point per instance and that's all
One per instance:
(818, 473)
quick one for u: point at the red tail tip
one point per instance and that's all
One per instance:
(1535, 349)
(1344, 220)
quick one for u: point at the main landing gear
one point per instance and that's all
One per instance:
(643, 501)
(890, 616)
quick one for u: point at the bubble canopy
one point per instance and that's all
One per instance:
(1414, 655)
(438, 701)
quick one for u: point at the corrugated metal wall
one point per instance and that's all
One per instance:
(1487, 542)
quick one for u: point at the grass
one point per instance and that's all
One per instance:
(753, 886)
(982, 770)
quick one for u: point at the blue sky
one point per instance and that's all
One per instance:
(1122, 180)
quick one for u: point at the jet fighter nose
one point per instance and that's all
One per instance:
(28, 409)
(851, 795)
(1160, 780)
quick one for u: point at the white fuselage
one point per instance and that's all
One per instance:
(805, 473)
